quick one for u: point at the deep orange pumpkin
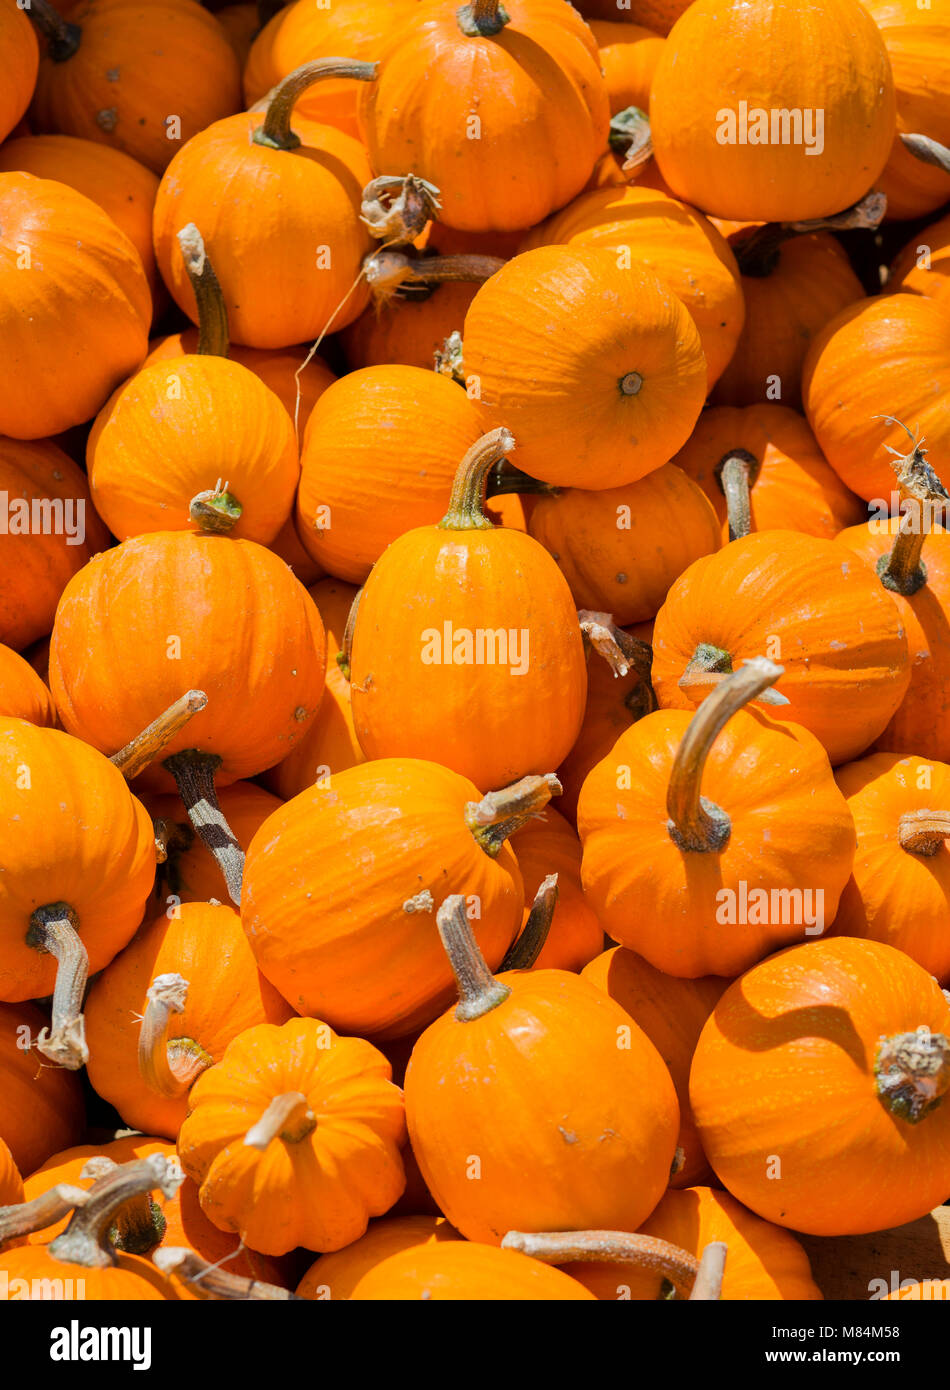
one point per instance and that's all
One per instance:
(43, 1106)
(21, 61)
(547, 844)
(23, 695)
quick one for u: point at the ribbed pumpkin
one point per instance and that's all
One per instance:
(825, 618)
(458, 629)
(74, 305)
(23, 695)
(889, 355)
(408, 330)
(379, 454)
(343, 881)
(817, 1086)
(140, 77)
(762, 470)
(629, 54)
(731, 71)
(475, 102)
(336, 1276)
(644, 228)
(11, 1183)
(598, 372)
(21, 61)
(709, 884)
(923, 267)
(465, 1271)
(671, 1012)
(294, 1137)
(277, 199)
(547, 844)
(149, 1037)
(581, 1154)
(43, 1108)
(621, 548)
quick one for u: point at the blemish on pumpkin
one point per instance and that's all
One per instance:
(300, 712)
(112, 75)
(567, 1135)
(420, 902)
(108, 118)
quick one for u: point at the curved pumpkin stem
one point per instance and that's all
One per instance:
(736, 472)
(630, 135)
(482, 18)
(146, 746)
(902, 570)
(613, 1247)
(48, 1209)
(194, 777)
(288, 1116)
(53, 929)
(85, 1240)
(215, 511)
(529, 945)
(62, 38)
(479, 991)
(928, 151)
(709, 666)
(499, 814)
(695, 824)
(758, 252)
(621, 651)
(912, 1072)
(275, 132)
(206, 1278)
(140, 1225)
(923, 832)
(169, 1068)
(397, 210)
(213, 333)
(712, 1267)
(466, 504)
(388, 271)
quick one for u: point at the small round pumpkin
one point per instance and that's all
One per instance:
(43, 1107)
(464, 1271)
(23, 694)
(923, 267)
(335, 1276)
(407, 329)
(629, 54)
(21, 59)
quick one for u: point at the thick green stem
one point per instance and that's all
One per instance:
(612, 1247)
(53, 929)
(499, 814)
(213, 335)
(523, 953)
(62, 39)
(146, 746)
(275, 132)
(85, 1240)
(467, 502)
(193, 772)
(913, 1073)
(479, 991)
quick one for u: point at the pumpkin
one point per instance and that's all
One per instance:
(458, 628)
(194, 442)
(407, 329)
(707, 885)
(899, 892)
(734, 121)
(465, 1272)
(923, 267)
(844, 648)
(262, 667)
(192, 981)
(617, 548)
(629, 54)
(671, 1012)
(816, 1087)
(241, 24)
(675, 243)
(658, 15)
(762, 470)
(534, 1039)
(287, 544)
(43, 1108)
(74, 309)
(597, 371)
(11, 1184)
(138, 77)
(294, 1137)
(336, 1276)
(81, 1262)
(547, 844)
(379, 454)
(341, 884)
(21, 58)
(529, 74)
(79, 858)
(330, 744)
(790, 292)
(23, 694)
(885, 355)
(278, 208)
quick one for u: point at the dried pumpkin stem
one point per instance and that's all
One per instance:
(53, 929)
(736, 473)
(467, 503)
(709, 666)
(85, 1240)
(168, 1068)
(206, 1278)
(140, 1224)
(275, 132)
(146, 746)
(216, 511)
(499, 814)
(62, 38)
(696, 824)
(613, 1247)
(479, 991)
(504, 478)
(482, 18)
(194, 777)
(913, 1073)
(529, 945)
(48, 1209)
(712, 1267)
(387, 271)
(758, 252)
(171, 837)
(902, 570)
(928, 151)
(923, 832)
(397, 210)
(288, 1116)
(213, 333)
(618, 648)
(630, 135)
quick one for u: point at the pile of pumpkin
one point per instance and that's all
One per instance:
(473, 570)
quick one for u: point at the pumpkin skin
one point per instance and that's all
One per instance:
(21, 61)
(844, 649)
(895, 895)
(241, 24)
(256, 210)
(11, 1184)
(336, 1276)
(130, 1278)
(75, 835)
(617, 548)
(293, 1193)
(326, 885)
(785, 307)
(785, 1066)
(75, 325)
(628, 55)
(288, 546)
(542, 1045)
(43, 1107)
(465, 1272)
(536, 86)
(177, 429)
(658, 15)
(550, 360)
(670, 240)
(548, 845)
(23, 694)
(906, 339)
(172, 57)
(828, 56)
(379, 454)
(262, 667)
(671, 1012)
(794, 488)
(407, 330)
(923, 267)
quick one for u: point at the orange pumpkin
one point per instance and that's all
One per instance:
(546, 844)
(923, 267)
(23, 695)
(241, 24)
(21, 61)
(816, 1088)
(11, 1184)
(43, 1108)
(658, 15)
(629, 54)
(407, 329)
(335, 1276)
(464, 1271)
